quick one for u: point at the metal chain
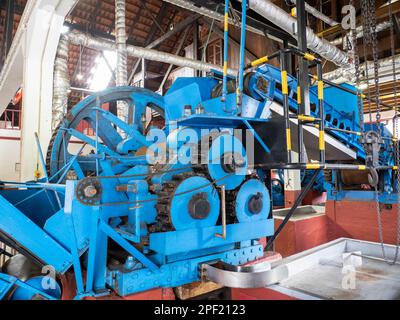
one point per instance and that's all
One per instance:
(395, 128)
(370, 16)
(376, 63)
(367, 40)
(356, 58)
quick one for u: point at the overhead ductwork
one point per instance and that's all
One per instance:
(122, 59)
(359, 32)
(286, 22)
(188, 5)
(341, 75)
(120, 40)
(318, 14)
(88, 41)
(61, 84)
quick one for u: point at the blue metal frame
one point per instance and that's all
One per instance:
(76, 235)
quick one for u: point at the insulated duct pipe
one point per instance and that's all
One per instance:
(185, 4)
(120, 40)
(283, 20)
(341, 75)
(359, 32)
(122, 59)
(61, 85)
(88, 41)
(318, 14)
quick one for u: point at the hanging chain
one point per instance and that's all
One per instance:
(370, 38)
(395, 128)
(356, 57)
(366, 41)
(374, 41)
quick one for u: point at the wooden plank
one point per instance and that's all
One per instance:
(195, 289)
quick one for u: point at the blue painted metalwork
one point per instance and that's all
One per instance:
(162, 217)
(242, 56)
(26, 290)
(226, 144)
(226, 50)
(251, 189)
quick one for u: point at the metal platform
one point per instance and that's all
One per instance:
(344, 269)
(335, 150)
(325, 272)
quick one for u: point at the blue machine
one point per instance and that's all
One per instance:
(127, 222)
(131, 224)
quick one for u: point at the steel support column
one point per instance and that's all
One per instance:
(303, 74)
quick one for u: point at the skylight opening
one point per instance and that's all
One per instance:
(101, 73)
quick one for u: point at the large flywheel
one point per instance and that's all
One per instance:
(108, 136)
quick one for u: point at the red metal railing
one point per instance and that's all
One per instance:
(11, 120)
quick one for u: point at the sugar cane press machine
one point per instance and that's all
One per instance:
(138, 205)
(127, 222)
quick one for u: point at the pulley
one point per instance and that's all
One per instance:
(187, 202)
(253, 202)
(227, 161)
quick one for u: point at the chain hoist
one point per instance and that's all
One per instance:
(370, 38)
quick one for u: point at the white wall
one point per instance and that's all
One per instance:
(386, 118)
(9, 155)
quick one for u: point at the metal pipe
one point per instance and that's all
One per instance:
(211, 14)
(285, 92)
(88, 41)
(321, 114)
(282, 19)
(303, 80)
(318, 14)
(242, 55)
(120, 40)
(360, 33)
(226, 51)
(348, 74)
(178, 28)
(43, 162)
(61, 84)
(122, 59)
(178, 50)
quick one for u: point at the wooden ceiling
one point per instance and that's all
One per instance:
(389, 94)
(145, 20)
(148, 20)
